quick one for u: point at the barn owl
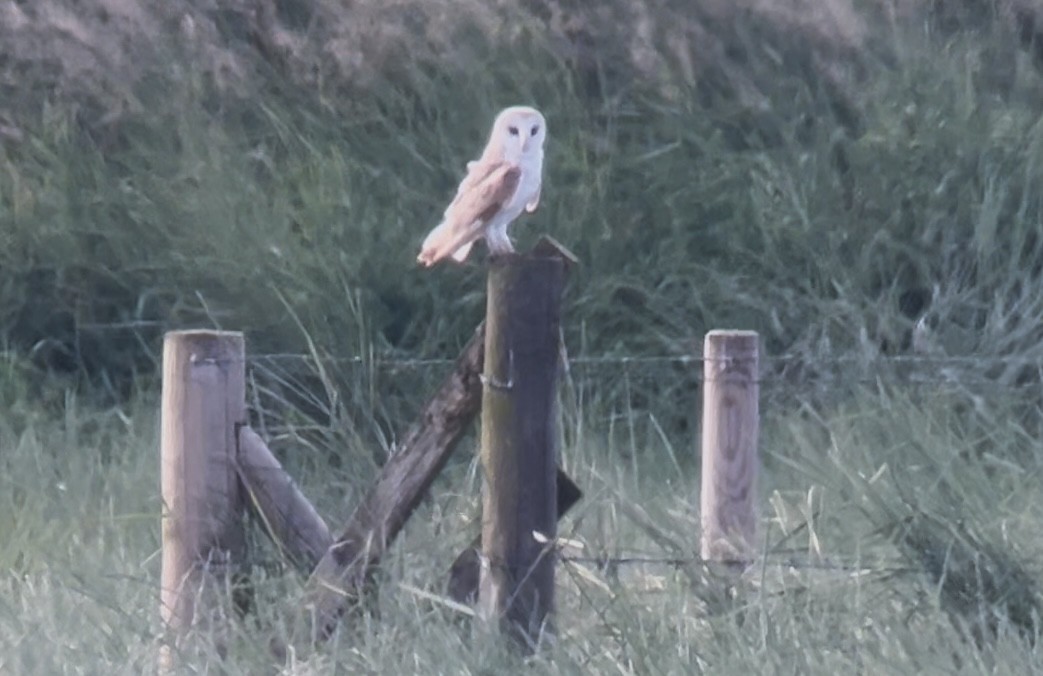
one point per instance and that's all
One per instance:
(499, 185)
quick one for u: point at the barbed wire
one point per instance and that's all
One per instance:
(615, 360)
(601, 563)
(787, 369)
(683, 360)
(961, 370)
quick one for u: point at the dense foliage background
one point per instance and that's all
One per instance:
(859, 181)
(825, 174)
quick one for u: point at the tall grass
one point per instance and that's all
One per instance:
(208, 206)
(899, 534)
(856, 185)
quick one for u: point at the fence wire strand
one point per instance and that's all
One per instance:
(974, 371)
(680, 359)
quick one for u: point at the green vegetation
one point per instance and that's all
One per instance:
(857, 183)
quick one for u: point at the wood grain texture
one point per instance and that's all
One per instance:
(285, 514)
(730, 429)
(519, 443)
(203, 403)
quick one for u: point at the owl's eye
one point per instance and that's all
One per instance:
(535, 129)
(513, 131)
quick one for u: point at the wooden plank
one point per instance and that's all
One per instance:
(286, 515)
(203, 403)
(519, 443)
(339, 576)
(730, 425)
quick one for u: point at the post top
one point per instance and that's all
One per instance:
(202, 333)
(549, 247)
(731, 341)
(732, 333)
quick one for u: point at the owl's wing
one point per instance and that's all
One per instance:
(482, 194)
(490, 187)
(535, 201)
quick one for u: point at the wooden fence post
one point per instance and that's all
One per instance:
(729, 450)
(519, 441)
(287, 517)
(203, 403)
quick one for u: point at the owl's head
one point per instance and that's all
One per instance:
(519, 131)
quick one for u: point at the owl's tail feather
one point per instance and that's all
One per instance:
(443, 242)
(430, 251)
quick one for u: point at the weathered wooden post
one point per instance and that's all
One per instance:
(729, 450)
(337, 581)
(288, 518)
(203, 404)
(338, 578)
(519, 440)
